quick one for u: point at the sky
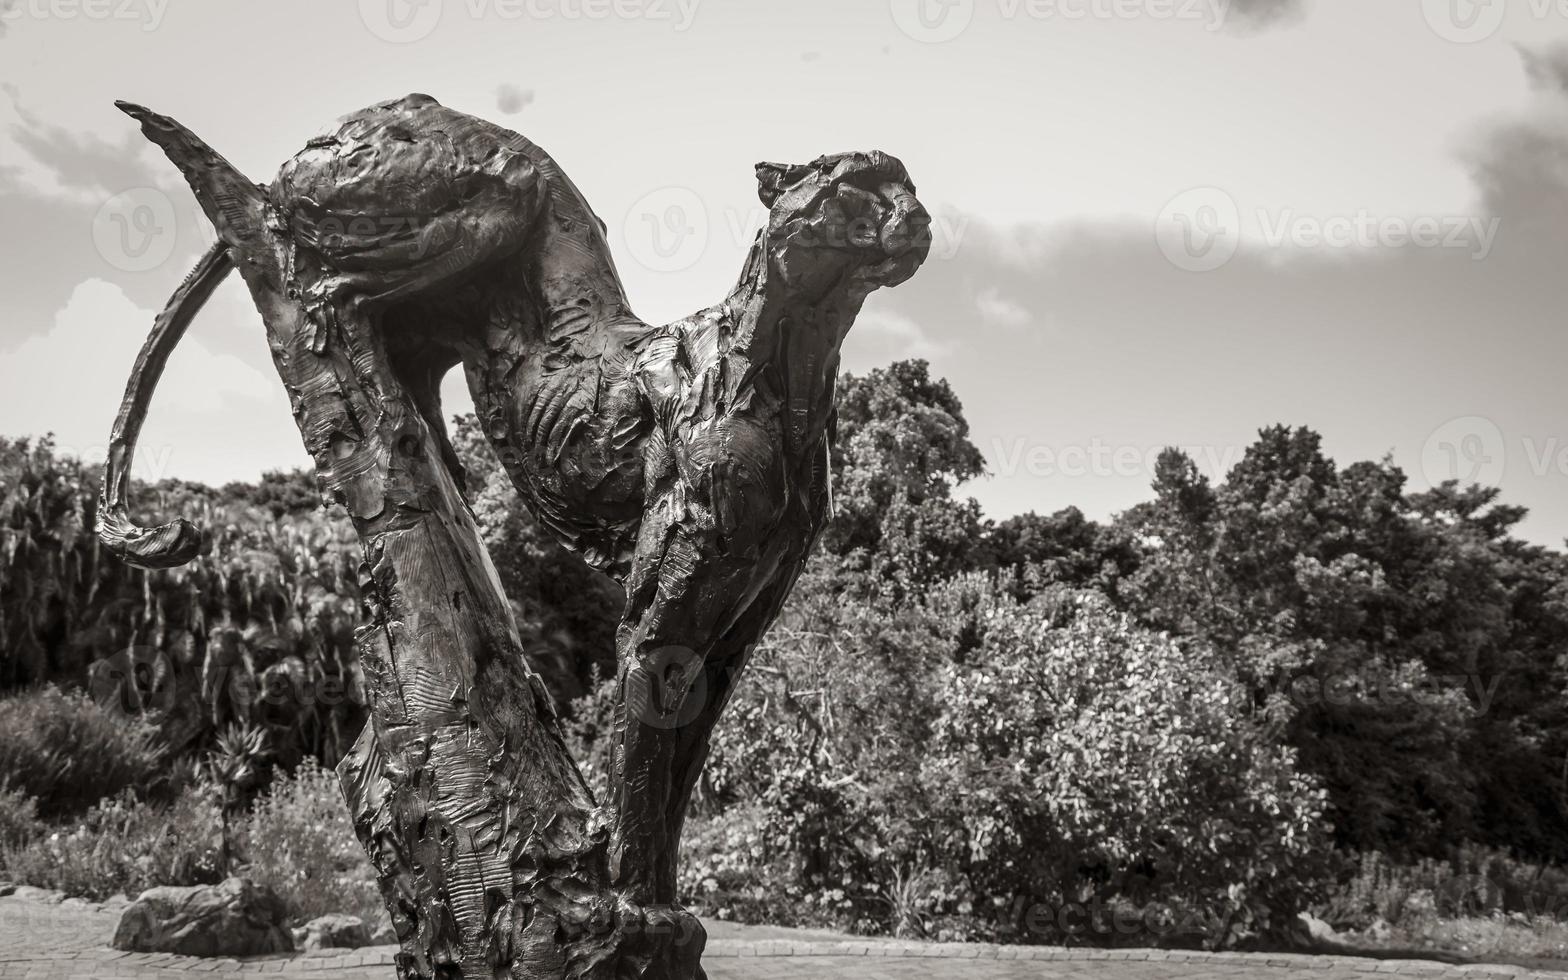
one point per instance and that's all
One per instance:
(1159, 222)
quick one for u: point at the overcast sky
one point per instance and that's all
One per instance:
(1160, 221)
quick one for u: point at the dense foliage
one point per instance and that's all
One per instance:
(258, 632)
(1188, 720)
(64, 752)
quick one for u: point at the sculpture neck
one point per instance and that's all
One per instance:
(794, 325)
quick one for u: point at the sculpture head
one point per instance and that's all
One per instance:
(847, 212)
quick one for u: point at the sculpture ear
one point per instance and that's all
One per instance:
(773, 178)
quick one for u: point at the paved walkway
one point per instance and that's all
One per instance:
(66, 942)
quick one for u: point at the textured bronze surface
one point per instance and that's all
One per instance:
(689, 461)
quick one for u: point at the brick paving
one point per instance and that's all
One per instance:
(70, 941)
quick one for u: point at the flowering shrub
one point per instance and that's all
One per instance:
(299, 840)
(125, 846)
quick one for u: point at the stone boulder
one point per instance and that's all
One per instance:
(334, 932)
(383, 934)
(43, 896)
(1317, 930)
(236, 918)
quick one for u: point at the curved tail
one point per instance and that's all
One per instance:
(179, 541)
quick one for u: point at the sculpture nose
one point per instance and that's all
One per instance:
(908, 226)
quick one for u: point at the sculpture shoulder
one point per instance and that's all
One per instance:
(399, 181)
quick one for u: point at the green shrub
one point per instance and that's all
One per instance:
(957, 767)
(19, 821)
(125, 846)
(1078, 756)
(299, 840)
(68, 752)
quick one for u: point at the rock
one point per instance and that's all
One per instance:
(7, 889)
(335, 932)
(236, 918)
(1380, 930)
(79, 905)
(383, 934)
(1317, 929)
(43, 896)
(116, 902)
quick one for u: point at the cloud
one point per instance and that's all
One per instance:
(85, 164)
(214, 416)
(1251, 16)
(1546, 66)
(1000, 311)
(78, 196)
(881, 335)
(53, 161)
(511, 99)
(1377, 348)
(1520, 164)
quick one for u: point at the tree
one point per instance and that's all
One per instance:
(1400, 640)
(902, 450)
(1066, 548)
